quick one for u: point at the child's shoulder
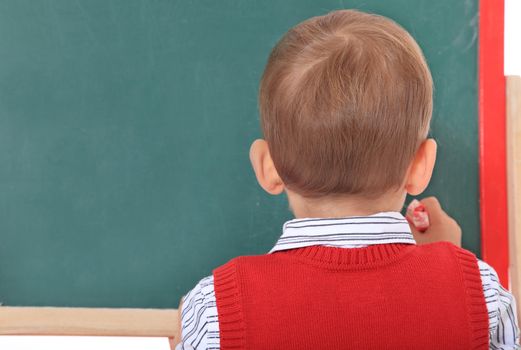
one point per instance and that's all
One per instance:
(245, 260)
(443, 247)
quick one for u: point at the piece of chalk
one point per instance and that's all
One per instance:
(417, 214)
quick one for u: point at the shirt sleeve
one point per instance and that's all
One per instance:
(501, 306)
(199, 321)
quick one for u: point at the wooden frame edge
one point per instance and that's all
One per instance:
(88, 321)
(514, 181)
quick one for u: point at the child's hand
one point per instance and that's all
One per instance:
(442, 227)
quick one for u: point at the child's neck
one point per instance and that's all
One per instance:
(329, 207)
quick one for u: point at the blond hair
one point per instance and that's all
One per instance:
(345, 101)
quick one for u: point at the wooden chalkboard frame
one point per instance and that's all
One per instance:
(514, 181)
(89, 321)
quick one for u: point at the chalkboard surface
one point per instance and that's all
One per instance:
(124, 135)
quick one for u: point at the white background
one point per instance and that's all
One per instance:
(512, 67)
(82, 343)
(512, 37)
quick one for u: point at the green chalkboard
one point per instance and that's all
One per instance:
(124, 135)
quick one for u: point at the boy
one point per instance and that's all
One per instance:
(345, 103)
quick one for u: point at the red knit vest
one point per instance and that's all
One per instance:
(390, 296)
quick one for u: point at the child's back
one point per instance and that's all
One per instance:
(345, 102)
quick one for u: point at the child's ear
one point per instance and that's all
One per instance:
(420, 171)
(264, 169)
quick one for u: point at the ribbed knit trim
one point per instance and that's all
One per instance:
(476, 304)
(354, 257)
(229, 307)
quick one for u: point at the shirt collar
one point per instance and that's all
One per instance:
(348, 232)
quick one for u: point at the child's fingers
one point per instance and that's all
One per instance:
(433, 208)
(431, 203)
(415, 232)
(442, 227)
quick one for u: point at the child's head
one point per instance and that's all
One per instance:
(345, 104)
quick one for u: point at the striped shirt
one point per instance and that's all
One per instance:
(199, 319)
